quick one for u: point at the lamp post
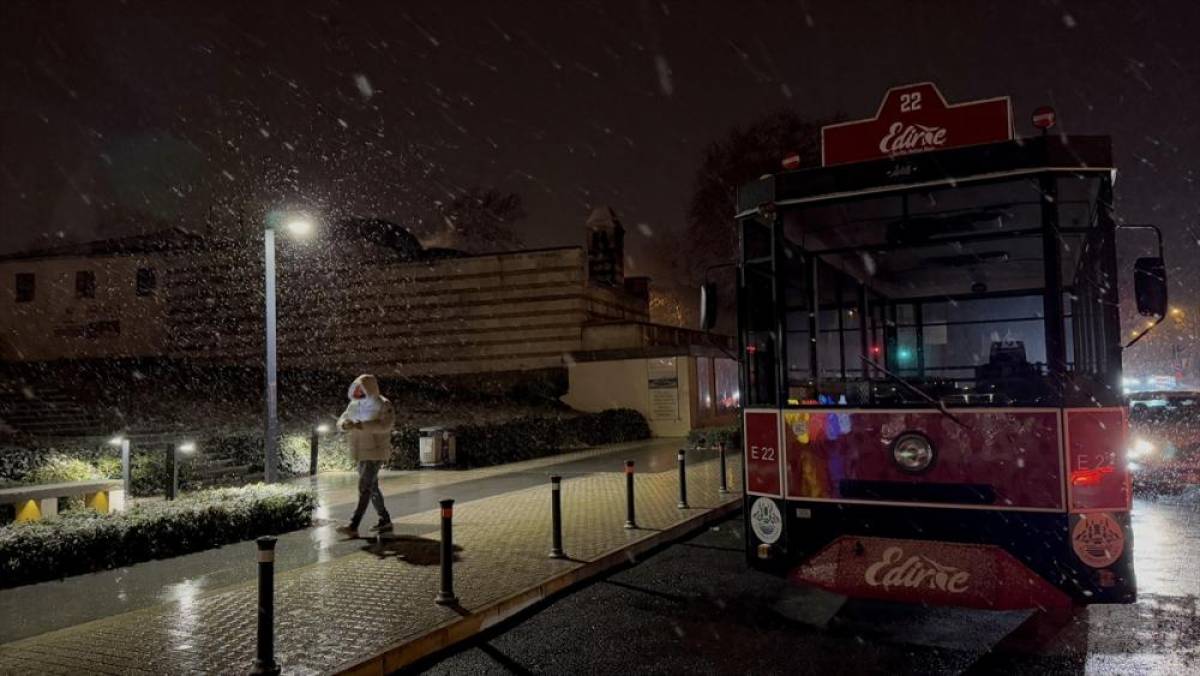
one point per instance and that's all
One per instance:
(300, 226)
(314, 444)
(123, 442)
(187, 448)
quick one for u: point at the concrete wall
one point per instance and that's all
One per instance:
(624, 383)
(57, 324)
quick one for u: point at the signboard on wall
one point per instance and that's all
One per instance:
(662, 378)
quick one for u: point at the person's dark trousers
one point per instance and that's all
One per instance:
(368, 491)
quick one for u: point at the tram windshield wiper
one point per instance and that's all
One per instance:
(915, 390)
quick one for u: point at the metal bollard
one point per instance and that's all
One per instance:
(724, 480)
(682, 480)
(265, 662)
(556, 548)
(314, 442)
(172, 472)
(446, 596)
(630, 521)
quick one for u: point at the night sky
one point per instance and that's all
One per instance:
(117, 115)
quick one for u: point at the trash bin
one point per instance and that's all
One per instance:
(437, 447)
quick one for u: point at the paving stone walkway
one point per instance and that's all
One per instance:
(333, 614)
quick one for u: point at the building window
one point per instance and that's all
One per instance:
(147, 281)
(85, 284)
(704, 388)
(729, 396)
(26, 286)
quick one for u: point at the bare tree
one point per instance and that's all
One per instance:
(741, 156)
(480, 220)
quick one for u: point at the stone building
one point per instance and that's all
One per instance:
(366, 296)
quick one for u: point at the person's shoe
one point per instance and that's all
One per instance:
(382, 527)
(347, 530)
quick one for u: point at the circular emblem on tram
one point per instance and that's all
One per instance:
(1098, 540)
(765, 520)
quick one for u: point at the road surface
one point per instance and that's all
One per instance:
(695, 608)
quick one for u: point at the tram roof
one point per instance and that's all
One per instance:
(1021, 157)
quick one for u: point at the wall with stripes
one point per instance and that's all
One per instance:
(500, 312)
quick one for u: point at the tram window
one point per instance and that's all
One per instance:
(756, 241)
(761, 347)
(952, 283)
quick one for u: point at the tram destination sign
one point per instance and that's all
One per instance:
(915, 118)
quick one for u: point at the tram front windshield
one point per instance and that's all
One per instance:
(976, 295)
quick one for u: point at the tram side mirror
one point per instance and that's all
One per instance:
(708, 306)
(1150, 286)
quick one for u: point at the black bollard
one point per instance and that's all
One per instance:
(630, 521)
(265, 662)
(172, 472)
(724, 481)
(556, 548)
(446, 596)
(314, 442)
(682, 480)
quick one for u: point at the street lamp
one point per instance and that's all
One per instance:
(172, 455)
(299, 225)
(314, 443)
(123, 442)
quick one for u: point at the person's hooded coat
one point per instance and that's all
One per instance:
(371, 437)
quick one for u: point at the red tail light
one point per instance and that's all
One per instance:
(1090, 477)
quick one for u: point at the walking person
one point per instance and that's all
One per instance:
(367, 423)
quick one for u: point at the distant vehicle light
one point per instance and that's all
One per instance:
(913, 452)
(1141, 449)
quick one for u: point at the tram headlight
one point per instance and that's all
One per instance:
(913, 452)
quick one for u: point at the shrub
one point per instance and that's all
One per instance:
(333, 454)
(83, 541)
(612, 426)
(533, 437)
(708, 437)
(59, 468)
(405, 448)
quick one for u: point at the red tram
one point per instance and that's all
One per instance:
(932, 362)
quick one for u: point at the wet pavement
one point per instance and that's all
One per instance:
(377, 597)
(696, 608)
(34, 609)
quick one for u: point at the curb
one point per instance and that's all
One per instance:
(439, 638)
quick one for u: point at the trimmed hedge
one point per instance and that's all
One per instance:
(478, 445)
(527, 438)
(708, 437)
(83, 541)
